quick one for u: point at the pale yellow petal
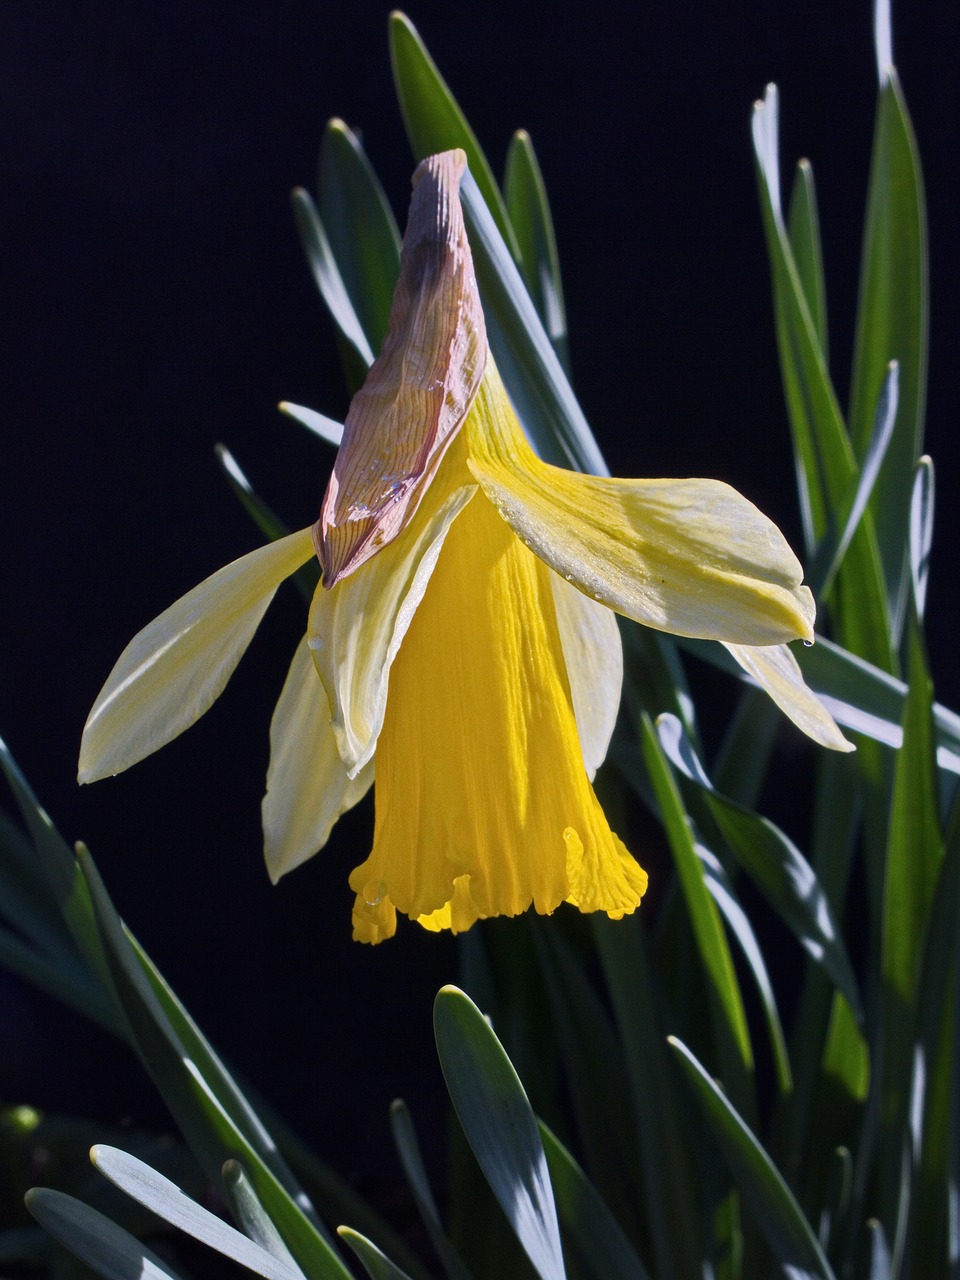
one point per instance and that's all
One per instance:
(420, 386)
(307, 786)
(483, 804)
(776, 670)
(594, 656)
(356, 628)
(692, 557)
(173, 670)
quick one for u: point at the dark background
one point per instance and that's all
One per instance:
(155, 301)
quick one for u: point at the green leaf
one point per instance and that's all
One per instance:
(669, 1176)
(532, 374)
(212, 1113)
(408, 1149)
(529, 211)
(916, 846)
(825, 462)
(594, 1068)
(360, 227)
(605, 1251)
(378, 1265)
(433, 119)
(496, 1118)
(777, 1214)
(107, 1249)
(726, 1005)
(248, 1211)
(803, 228)
(921, 532)
(843, 524)
(933, 1090)
(164, 1198)
(358, 354)
(269, 524)
(892, 315)
(326, 428)
(774, 864)
(914, 857)
(64, 880)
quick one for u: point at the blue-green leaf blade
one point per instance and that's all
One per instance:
(538, 386)
(433, 119)
(803, 228)
(726, 1002)
(605, 1251)
(361, 229)
(892, 316)
(316, 245)
(499, 1125)
(777, 1214)
(105, 1247)
(164, 1198)
(529, 210)
(376, 1263)
(775, 865)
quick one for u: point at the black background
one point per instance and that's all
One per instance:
(155, 301)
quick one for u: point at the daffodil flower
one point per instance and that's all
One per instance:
(462, 636)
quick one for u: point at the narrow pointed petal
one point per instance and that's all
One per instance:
(356, 629)
(594, 658)
(692, 557)
(483, 803)
(307, 786)
(419, 388)
(175, 668)
(777, 672)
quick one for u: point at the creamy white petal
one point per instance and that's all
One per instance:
(173, 670)
(777, 671)
(356, 627)
(593, 654)
(689, 556)
(307, 786)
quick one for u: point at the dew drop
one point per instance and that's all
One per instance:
(808, 644)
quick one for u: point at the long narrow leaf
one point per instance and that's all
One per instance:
(433, 118)
(529, 211)
(408, 1149)
(844, 523)
(361, 229)
(164, 1198)
(726, 1004)
(605, 1251)
(358, 353)
(775, 865)
(376, 1263)
(777, 1214)
(106, 1248)
(824, 456)
(892, 316)
(496, 1118)
(803, 228)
